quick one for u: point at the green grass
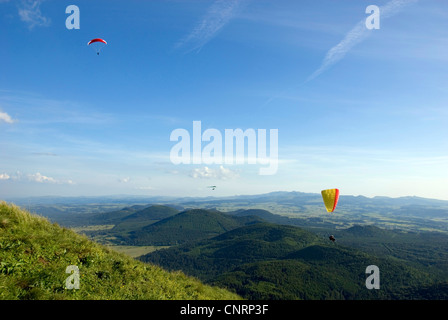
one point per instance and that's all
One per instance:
(35, 253)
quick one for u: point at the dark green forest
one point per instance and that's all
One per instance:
(268, 261)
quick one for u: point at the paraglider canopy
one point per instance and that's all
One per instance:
(97, 44)
(212, 187)
(96, 40)
(330, 197)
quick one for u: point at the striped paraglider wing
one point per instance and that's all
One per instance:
(330, 197)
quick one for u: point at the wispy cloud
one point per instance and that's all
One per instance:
(37, 177)
(356, 35)
(43, 111)
(33, 177)
(217, 16)
(45, 154)
(29, 12)
(4, 176)
(353, 37)
(5, 117)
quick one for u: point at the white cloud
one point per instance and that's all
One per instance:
(217, 16)
(37, 177)
(30, 13)
(4, 176)
(5, 117)
(220, 173)
(356, 35)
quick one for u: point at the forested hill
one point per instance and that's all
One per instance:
(270, 261)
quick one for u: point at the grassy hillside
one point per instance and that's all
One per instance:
(35, 253)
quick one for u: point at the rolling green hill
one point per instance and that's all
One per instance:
(186, 226)
(35, 253)
(426, 250)
(154, 212)
(268, 261)
(211, 257)
(133, 213)
(87, 215)
(142, 218)
(321, 272)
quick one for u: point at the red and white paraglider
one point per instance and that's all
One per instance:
(97, 44)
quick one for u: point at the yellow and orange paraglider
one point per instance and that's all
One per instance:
(331, 197)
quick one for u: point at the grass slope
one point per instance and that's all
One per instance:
(35, 253)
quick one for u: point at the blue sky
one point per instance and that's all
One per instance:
(362, 110)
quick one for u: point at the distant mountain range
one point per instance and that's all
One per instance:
(411, 213)
(271, 196)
